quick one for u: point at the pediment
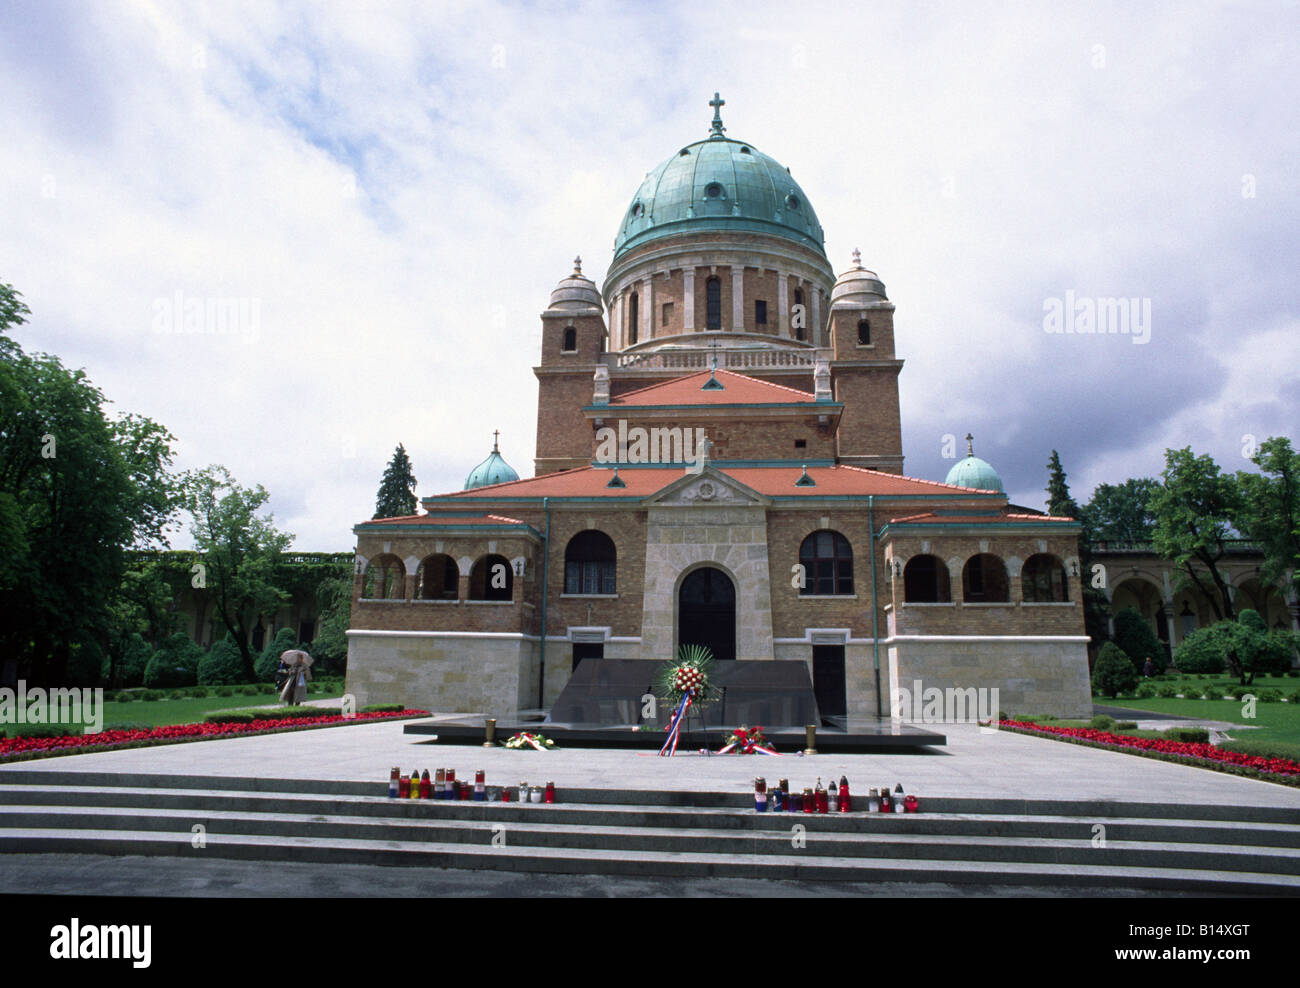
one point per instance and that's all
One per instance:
(708, 488)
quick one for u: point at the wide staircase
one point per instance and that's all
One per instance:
(1213, 849)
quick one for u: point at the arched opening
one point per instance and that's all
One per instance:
(385, 579)
(1042, 580)
(713, 303)
(864, 332)
(590, 564)
(925, 581)
(491, 578)
(827, 561)
(633, 317)
(438, 578)
(706, 612)
(799, 322)
(984, 580)
(570, 339)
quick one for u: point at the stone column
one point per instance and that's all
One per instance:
(815, 312)
(616, 322)
(738, 298)
(782, 305)
(688, 300)
(648, 309)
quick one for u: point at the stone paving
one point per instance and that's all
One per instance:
(974, 763)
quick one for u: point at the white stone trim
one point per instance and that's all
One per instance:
(985, 638)
(588, 635)
(589, 596)
(1047, 603)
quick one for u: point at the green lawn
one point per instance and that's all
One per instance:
(162, 713)
(1272, 721)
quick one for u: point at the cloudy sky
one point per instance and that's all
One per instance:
(392, 190)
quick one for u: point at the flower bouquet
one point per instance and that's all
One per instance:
(748, 741)
(523, 739)
(685, 682)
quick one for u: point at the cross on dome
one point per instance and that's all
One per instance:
(495, 434)
(717, 103)
(577, 264)
(857, 258)
(970, 448)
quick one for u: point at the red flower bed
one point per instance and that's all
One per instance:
(1160, 746)
(116, 738)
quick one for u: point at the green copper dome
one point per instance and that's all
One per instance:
(493, 470)
(719, 184)
(974, 472)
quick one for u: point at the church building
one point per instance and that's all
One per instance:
(719, 461)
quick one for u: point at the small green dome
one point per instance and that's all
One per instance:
(493, 470)
(974, 472)
(719, 184)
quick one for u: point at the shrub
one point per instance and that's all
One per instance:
(1213, 693)
(123, 697)
(176, 663)
(229, 718)
(248, 691)
(176, 695)
(225, 691)
(222, 665)
(1102, 723)
(132, 662)
(151, 695)
(1293, 696)
(1114, 671)
(1167, 690)
(1191, 735)
(1146, 691)
(393, 708)
(199, 692)
(1265, 749)
(266, 663)
(1269, 695)
(1136, 640)
(1126, 725)
(1200, 652)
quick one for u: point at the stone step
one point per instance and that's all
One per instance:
(1120, 849)
(624, 815)
(741, 800)
(797, 866)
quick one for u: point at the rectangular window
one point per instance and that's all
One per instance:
(668, 313)
(800, 443)
(760, 313)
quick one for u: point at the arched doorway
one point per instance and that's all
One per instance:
(706, 612)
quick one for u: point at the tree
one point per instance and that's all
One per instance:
(76, 490)
(1122, 513)
(330, 646)
(238, 551)
(1245, 645)
(1194, 511)
(176, 663)
(1113, 673)
(397, 489)
(223, 665)
(1271, 510)
(1096, 608)
(269, 661)
(1136, 639)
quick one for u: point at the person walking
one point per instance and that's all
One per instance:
(298, 663)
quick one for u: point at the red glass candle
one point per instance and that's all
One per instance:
(403, 786)
(809, 801)
(550, 793)
(424, 784)
(846, 804)
(911, 804)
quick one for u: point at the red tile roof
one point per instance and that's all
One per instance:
(445, 519)
(835, 480)
(738, 389)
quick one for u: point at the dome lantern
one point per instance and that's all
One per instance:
(493, 470)
(974, 472)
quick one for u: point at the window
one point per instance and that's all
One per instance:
(925, 581)
(385, 579)
(792, 202)
(590, 564)
(984, 580)
(798, 301)
(760, 312)
(491, 579)
(438, 578)
(1042, 580)
(713, 306)
(827, 561)
(713, 190)
(668, 313)
(633, 317)
(570, 339)
(801, 444)
(864, 332)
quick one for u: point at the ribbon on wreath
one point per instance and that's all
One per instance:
(744, 743)
(524, 738)
(675, 725)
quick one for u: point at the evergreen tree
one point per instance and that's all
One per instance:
(397, 489)
(1096, 609)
